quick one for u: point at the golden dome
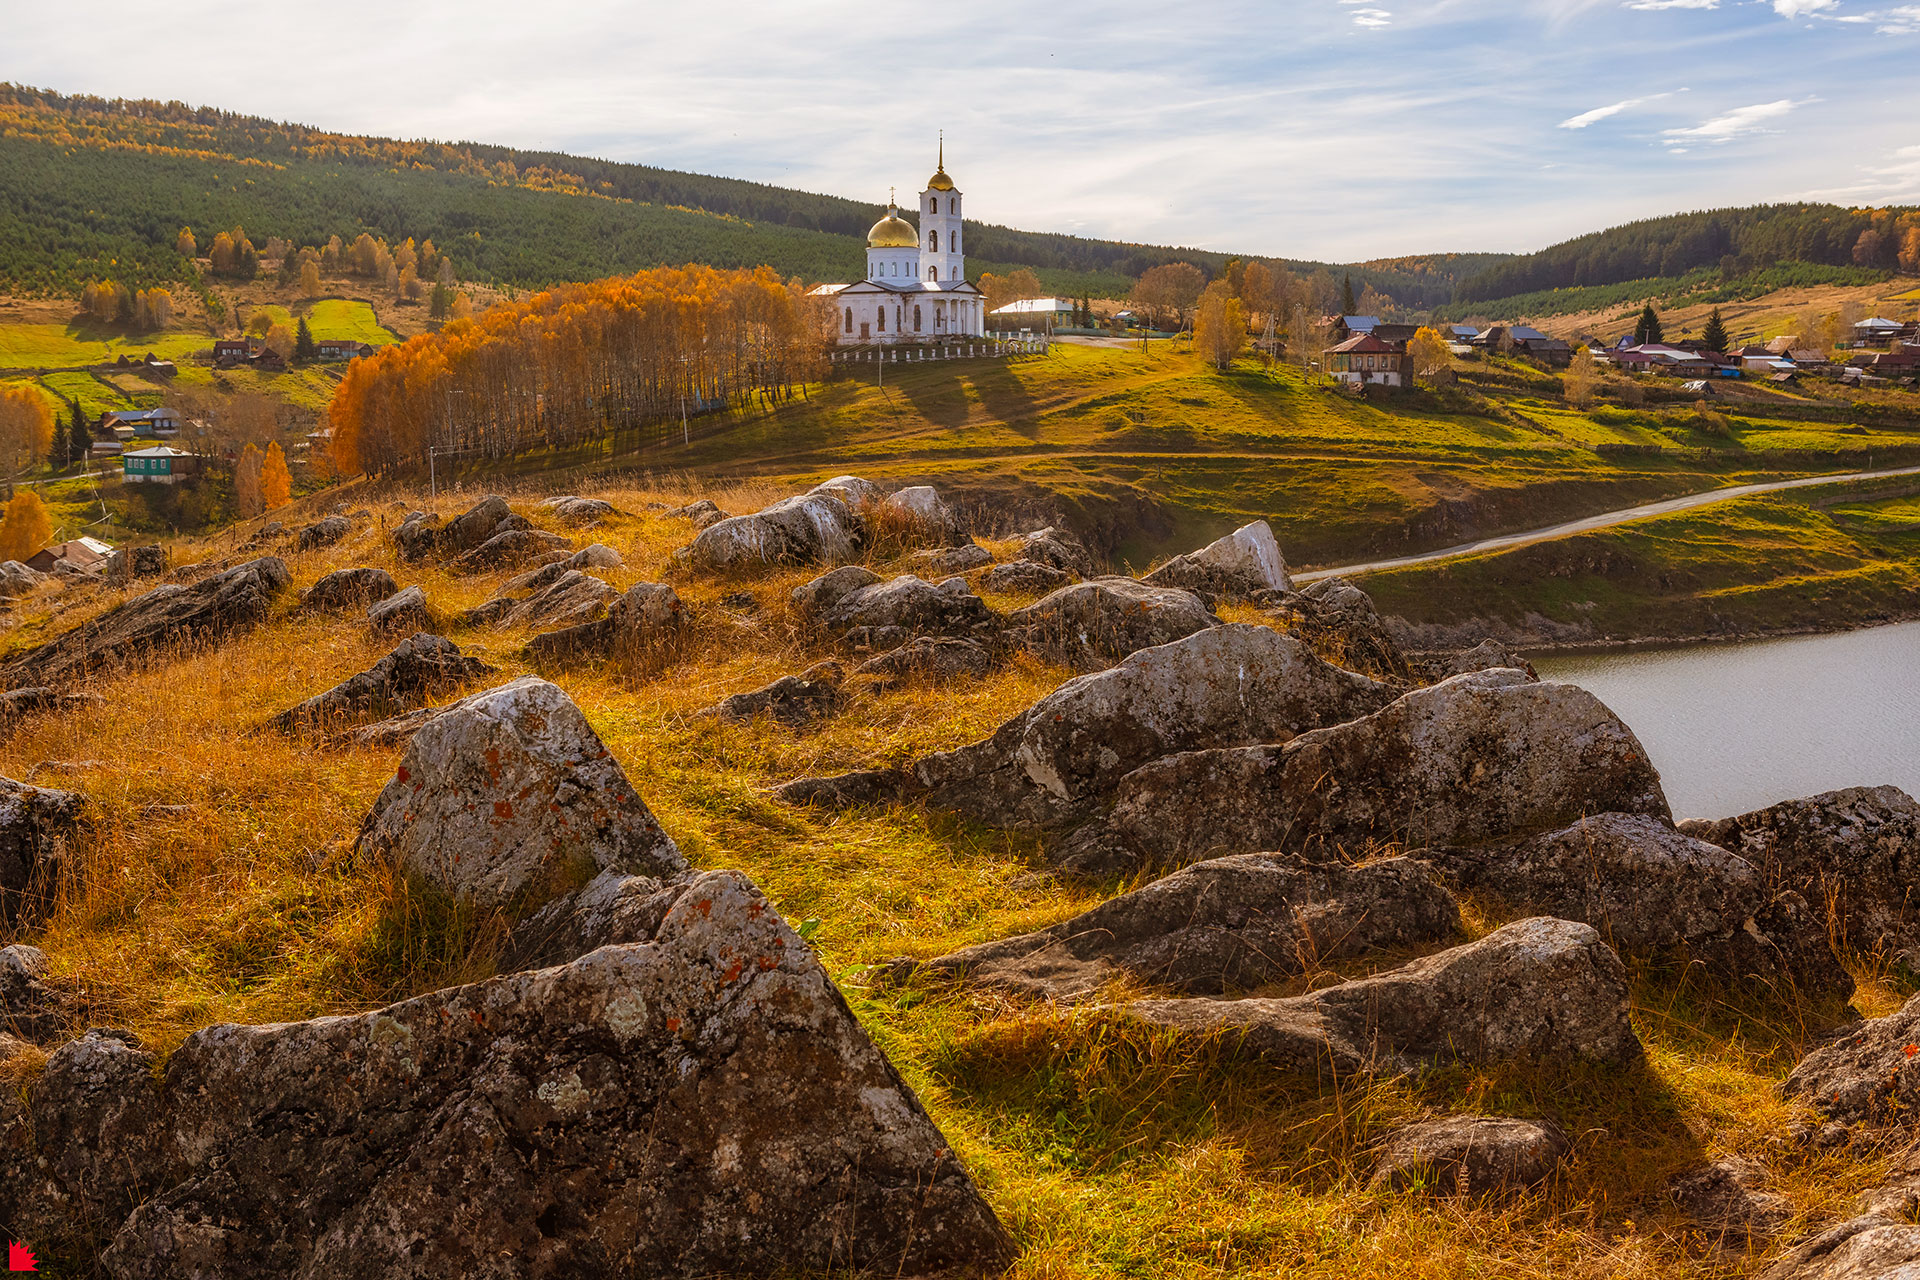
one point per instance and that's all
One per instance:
(893, 232)
(940, 181)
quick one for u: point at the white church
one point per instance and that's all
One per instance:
(916, 288)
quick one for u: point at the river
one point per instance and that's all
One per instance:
(1738, 726)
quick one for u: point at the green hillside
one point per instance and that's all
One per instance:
(91, 188)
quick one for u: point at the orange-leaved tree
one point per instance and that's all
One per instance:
(276, 483)
(26, 527)
(247, 498)
(26, 425)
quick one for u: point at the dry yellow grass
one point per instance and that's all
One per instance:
(217, 883)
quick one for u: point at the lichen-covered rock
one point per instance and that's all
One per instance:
(416, 537)
(420, 667)
(852, 490)
(1057, 549)
(1866, 1074)
(614, 909)
(1479, 758)
(579, 511)
(1858, 849)
(911, 607)
(1485, 656)
(510, 549)
(1094, 624)
(170, 614)
(508, 793)
(402, 611)
(128, 563)
(322, 533)
(1055, 762)
(1025, 577)
(794, 701)
(1725, 1199)
(1535, 991)
(644, 628)
(349, 589)
(815, 528)
(812, 600)
(699, 1103)
(704, 513)
(29, 1007)
(473, 526)
(927, 658)
(17, 580)
(942, 562)
(1470, 1155)
(595, 555)
(1234, 567)
(927, 512)
(1654, 892)
(1341, 623)
(1234, 923)
(1870, 1247)
(568, 598)
(35, 823)
(95, 1137)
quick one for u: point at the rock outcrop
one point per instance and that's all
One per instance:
(18, 703)
(419, 668)
(349, 589)
(794, 701)
(704, 513)
(579, 511)
(29, 1008)
(931, 659)
(402, 611)
(508, 793)
(1726, 1200)
(1057, 549)
(1479, 758)
(943, 562)
(1339, 620)
(18, 580)
(1235, 567)
(855, 491)
(1654, 892)
(1025, 577)
(565, 598)
(698, 1102)
(1858, 848)
(1870, 1247)
(170, 614)
(1869, 1074)
(815, 528)
(509, 550)
(644, 628)
(1094, 624)
(922, 507)
(885, 615)
(1537, 990)
(1231, 924)
(1470, 1155)
(322, 533)
(421, 535)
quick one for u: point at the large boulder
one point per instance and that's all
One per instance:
(507, 795)
(1234, 567)
(322, 533)
(1341, 623)
(1054, 763)
(169, 614)
(30, 1008)
(416, 537)
(1726, 1199)
(815, 528)
(935, 660)
(576, 510)
(35, 824)
(1858, 849)
(1537, 990)
(473, 526)
(852, 490)
(793, 701)
(644, 628)
(1652, 891)
(1057, 549)
(568, 598)
(1870, 1247)
(613, 909)
(885, 615)
(925, 513)
(1025, 577)
(349, 589)
(705, 513)
(1234, 923)
(419, 668)
(128, 563)
(698, 1102)
(511, 549)
(1868, 1074)
(1479, 758)
(1470, 1155)
(1094, 624)
(17, 580)
(943, 562)
(402, 611)
(811, 601)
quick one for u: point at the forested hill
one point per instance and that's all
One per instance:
(1733, 242)
(92, 188)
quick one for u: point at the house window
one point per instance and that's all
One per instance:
(916, 319)
(849, 328)
(933, 241)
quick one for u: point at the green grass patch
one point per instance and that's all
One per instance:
(55, 346)
(348, 318)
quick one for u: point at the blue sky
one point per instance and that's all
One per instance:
(1333, 129)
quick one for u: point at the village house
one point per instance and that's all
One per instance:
(342, 349)
(81, 553)
(162, 464)
(230, 350)
(1366, 360)
(160, 422)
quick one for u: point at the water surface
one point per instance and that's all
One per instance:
(1736, 727)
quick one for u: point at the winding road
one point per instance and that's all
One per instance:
(1605, 520)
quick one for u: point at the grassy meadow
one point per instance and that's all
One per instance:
(217, 882)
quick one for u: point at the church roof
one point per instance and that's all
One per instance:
(893, 231)
(903, 287)
(940, 181)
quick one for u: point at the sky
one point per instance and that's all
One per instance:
(1336, 130)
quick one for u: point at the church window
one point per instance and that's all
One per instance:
(849, 319)
(953, 204)
(933, 241)
(883, 319)
(933, 273)
(916, 319)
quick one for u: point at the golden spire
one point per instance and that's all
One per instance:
(940, 181)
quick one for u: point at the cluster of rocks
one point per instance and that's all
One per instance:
(663, 1077)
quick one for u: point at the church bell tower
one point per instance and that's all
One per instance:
(942, 253)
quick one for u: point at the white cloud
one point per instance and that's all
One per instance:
(1897, 178)
(1901, 21)
(1598, 114)
(1803, 8)
(1369, 16)
(1673, 4)
(1738, 123)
